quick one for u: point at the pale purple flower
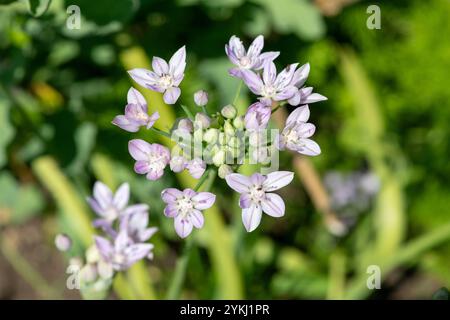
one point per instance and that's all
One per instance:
(257, 197)
(304, 95)
(252, 59)
(123, 251)
(136, 113)
(178, 163)
(165, 77)
(271, 87)
(186, 124)
(257, 116)
(185, 207)
(296, 133)
(151, 159)
(136, 225)
(107, 205)
(196, 167)
(201, 98)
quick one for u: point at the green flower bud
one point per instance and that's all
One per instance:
(92, 254)
(229, 111)
(222, 139)
(105, 270)
(211, 135)
(88, 273)
(239, 123)
(224, 169)
(219, 157)
(228, 129)
(233, 142)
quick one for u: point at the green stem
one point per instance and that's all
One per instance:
(182, 263)
(188, 112)
(278, 107)
(204, 110)
(238, 92)
(161, 132)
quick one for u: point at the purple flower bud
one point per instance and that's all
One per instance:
(196, 167)
(202, 120)
(257, 116)
(63, 242)
(186, 125)
(201, 98)
(178, 163)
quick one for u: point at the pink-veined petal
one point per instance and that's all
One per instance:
(255, 48)
(251, 217)
(102, 194)
(309, 148)
(171, 95)
(122, 196)
(197, 218)
(278, 179)
(203, 200)
(139, 149)
(135, 97)
(300, 114)
(183, 227)
(238, 182)
(171, 195)
(160, 66)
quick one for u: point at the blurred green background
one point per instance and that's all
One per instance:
(387, 113)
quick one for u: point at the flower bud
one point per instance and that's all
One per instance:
(201, 98)
(224, 169)
(203, 120)
(229, 111)
(177, 164)
(228, 129)
(186, 124)
(239, 123)
(92, 254)
(211, 135)
(233, 142)
(88, 273)
(219, 157)
(63, 242)
(222, 139)
(196, 168)
(105, 269)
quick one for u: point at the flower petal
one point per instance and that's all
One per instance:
(252, 80)
(183, 227)
(238, 182)
(124, 123)
(139, 149)
(278, 179)
(177, 63)
(171, 95)
(104, 247)
(137, 252)
(154, 174)
(122, 196)
(135, 97)
(309, 148)
(301, 75)
(203, 200)
(160, 66)
(171, 195)
(171, 210)
(251, 217)
(141, 167)
(273, 205)
(269, 73)
(197, 219)
(314, 97)
(245, 201)
(144, 77)
(300, 114)
(255, 48)
(102, 194)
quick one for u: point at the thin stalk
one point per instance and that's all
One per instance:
(204, 110)
(161, 132)
(238, 93)
(188, 112)
(181, 267)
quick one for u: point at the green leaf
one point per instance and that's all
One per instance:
(39, 7)
(297, 16)
(19, 202)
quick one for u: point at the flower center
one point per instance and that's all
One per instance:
(166, 81)
(291, 136)
(245, 62)
(268, 91)
(119, 258)
(257, 193)
(111, 213)
(156, 161)
(184, 206)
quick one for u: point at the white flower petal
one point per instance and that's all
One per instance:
(238, 182)
(277, 180)
(273, 205)
(251, 217)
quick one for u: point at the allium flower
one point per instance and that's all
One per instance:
(296, 133)
(201, 98)
(304, 95)
(136, 226)
(165, 77)
(271, 87)
(136, 113)
(151, 159)
(63, 242)
(196, 167)
(107, 205)
(185, 207)
(247, 60)
(257, 116)
(122, 252)
(178, 163)
(256, 196)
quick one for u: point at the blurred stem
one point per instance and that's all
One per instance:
(161, 132)
(204, 110)
(238, 92)
(182, 263)
(336, 282)
(409, 252)
(26, 271)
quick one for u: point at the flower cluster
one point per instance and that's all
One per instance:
(124, 241)
(222, 141)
